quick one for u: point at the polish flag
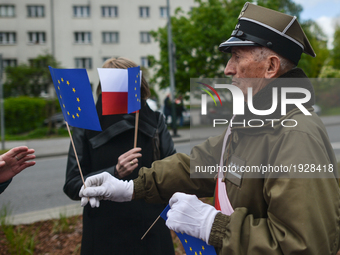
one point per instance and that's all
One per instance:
(222, 202)
(114, 84)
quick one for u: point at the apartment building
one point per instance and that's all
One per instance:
(82, 33)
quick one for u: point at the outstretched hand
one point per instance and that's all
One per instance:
(14, 161)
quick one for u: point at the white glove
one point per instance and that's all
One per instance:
(191, 216)
(105, 187)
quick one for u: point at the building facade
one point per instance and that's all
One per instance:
(82, 33)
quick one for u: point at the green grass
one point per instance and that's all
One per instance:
(77, 249)
(39, 133)
(3, 151)
(64, 224)
(19, 241)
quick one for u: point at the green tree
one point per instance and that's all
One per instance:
(197, 34)
(285, 6)
(29, 79)
(318, 40)
(329, 72)
(336, 48)
(32, 79)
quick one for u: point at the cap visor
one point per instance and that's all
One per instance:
(234, 41)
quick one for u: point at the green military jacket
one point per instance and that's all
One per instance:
(283, 212)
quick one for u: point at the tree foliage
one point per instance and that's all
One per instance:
(317, 38)
(29, 79)
(198, 33)
(336, 48)
(196, 37)
(285, 6)
(23, 114)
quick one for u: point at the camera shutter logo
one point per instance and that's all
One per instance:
(204, 98)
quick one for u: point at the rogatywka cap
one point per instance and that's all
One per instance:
(259, 26)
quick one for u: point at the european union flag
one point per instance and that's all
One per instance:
(75, 97)
(134, 89)
(191, 245)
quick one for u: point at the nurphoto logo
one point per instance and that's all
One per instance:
(204, 98)
(238, 99)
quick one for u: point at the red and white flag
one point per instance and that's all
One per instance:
(115, 86)
(222, 202)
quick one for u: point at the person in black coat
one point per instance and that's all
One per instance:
(167, 108)
(117, 228)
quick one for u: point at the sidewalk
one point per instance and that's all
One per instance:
(60, 146)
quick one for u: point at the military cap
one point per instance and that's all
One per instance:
(259, 26)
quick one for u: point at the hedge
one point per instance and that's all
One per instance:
(23, 114)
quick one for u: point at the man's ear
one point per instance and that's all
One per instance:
(273, 67)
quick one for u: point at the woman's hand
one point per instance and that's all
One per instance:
(128, 162)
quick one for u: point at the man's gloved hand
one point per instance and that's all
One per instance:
(191, 216)
(105, 187)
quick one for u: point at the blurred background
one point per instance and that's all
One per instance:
(84, 33)
(35, 34)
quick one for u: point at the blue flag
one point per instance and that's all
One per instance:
(75, 97)
(191, 245)
(134, 89)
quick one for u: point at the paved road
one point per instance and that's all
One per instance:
(36, 193)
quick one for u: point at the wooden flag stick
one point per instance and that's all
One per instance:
(150, 227)
(136, 129)
(75, 153)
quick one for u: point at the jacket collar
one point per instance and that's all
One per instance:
(120, 127)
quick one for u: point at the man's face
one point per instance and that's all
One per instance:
(247, 62)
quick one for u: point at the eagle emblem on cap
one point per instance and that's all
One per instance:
(245, 6)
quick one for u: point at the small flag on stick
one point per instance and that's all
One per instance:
(76, 101)
(75, 97)
(120, 90)
(191, 245)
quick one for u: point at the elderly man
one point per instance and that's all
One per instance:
(282, 212)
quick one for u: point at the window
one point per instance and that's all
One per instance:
(144, 12)
(9, 62)
(145, 37)
(110, 37)
(109, 11)
(105, 58)
(7, 11)
(83, 63)
(35, 11)
(81, 11)
(145, 62)
(36, 37)
(82, 37)
(163, 12)
(7, 37)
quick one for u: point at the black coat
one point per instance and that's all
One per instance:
(116, 228)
